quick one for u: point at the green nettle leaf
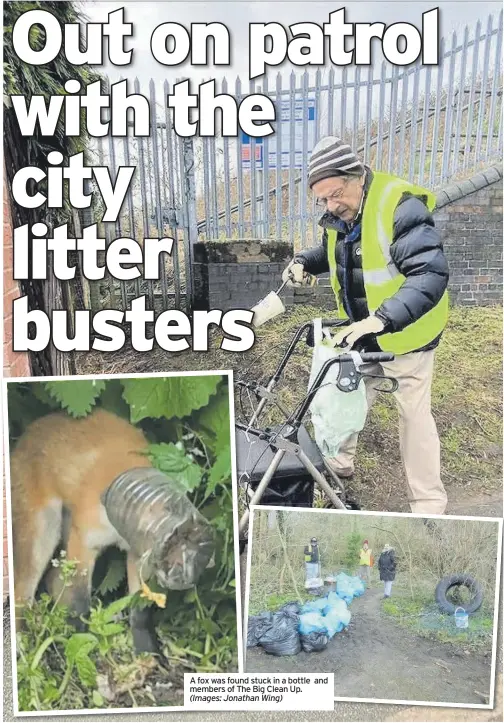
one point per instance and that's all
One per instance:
(116, 572)
(214, 421)
(112, 399)
(176, 464)
(98, 699)
(112, 629)
(86, 670)
(40, 391)
(168, 397)
(78, 647)
(116, 607)
(221, 470)
(77, 397)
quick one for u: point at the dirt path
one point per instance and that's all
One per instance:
(375, 658)
(485, 504)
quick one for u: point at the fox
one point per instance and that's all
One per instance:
(59, 469)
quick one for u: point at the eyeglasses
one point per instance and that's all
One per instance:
(323, 202)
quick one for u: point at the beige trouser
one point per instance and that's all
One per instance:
(418, 437)
(365, 573)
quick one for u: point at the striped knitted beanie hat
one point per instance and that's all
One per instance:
(332, 157)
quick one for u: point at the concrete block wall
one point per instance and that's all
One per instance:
(238, 274)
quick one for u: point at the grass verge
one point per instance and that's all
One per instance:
(466, 402)
(424, 618)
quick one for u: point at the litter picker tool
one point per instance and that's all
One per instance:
(272, 305)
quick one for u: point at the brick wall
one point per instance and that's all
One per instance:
(469, 216)
(470, 221)
(14, 364)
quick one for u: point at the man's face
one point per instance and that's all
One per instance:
(340, 195)
(365, 546)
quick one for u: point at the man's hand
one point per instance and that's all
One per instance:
(352, 333)
(295, 274)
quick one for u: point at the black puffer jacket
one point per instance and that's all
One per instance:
(417, 251)
(312, 552)
(387, 566)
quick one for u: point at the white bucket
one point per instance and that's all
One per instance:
(461, 618)
(267, 309)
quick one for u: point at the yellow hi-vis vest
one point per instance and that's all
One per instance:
(365, 557)
(308, 556)
(382, 279)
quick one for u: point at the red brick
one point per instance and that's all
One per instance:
(9, 297)
(7, 330)
(8, 352)
(14, 364)
(8, 257)
(20, 366)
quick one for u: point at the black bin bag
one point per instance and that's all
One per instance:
(292, 609)
(314, 642)
(258, 625)
(282, 638)
(291, 485)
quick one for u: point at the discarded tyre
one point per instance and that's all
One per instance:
(447, 583)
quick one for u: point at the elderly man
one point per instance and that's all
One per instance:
(389, 275)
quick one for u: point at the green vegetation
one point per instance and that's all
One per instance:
(186, 420)
(275, 601)
(423, 617)
(466, 398)
(45, 80)
(351, 559)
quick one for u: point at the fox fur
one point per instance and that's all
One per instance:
(59, 469)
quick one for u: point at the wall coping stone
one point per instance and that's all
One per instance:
(460, 189)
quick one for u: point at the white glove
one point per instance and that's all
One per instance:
(294, 274)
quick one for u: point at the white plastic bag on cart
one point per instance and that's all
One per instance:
(335, 415)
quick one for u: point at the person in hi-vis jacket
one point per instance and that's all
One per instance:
(312, 560)
(365, 562)
(389, 275)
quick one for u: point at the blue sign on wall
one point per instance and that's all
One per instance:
(304, 116)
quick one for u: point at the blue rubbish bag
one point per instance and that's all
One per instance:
(336, 603)
(348, 587)
(337, 615)
(333, 623)
(357, 585)
(311, 622)
(316, 606)
(345, 595)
